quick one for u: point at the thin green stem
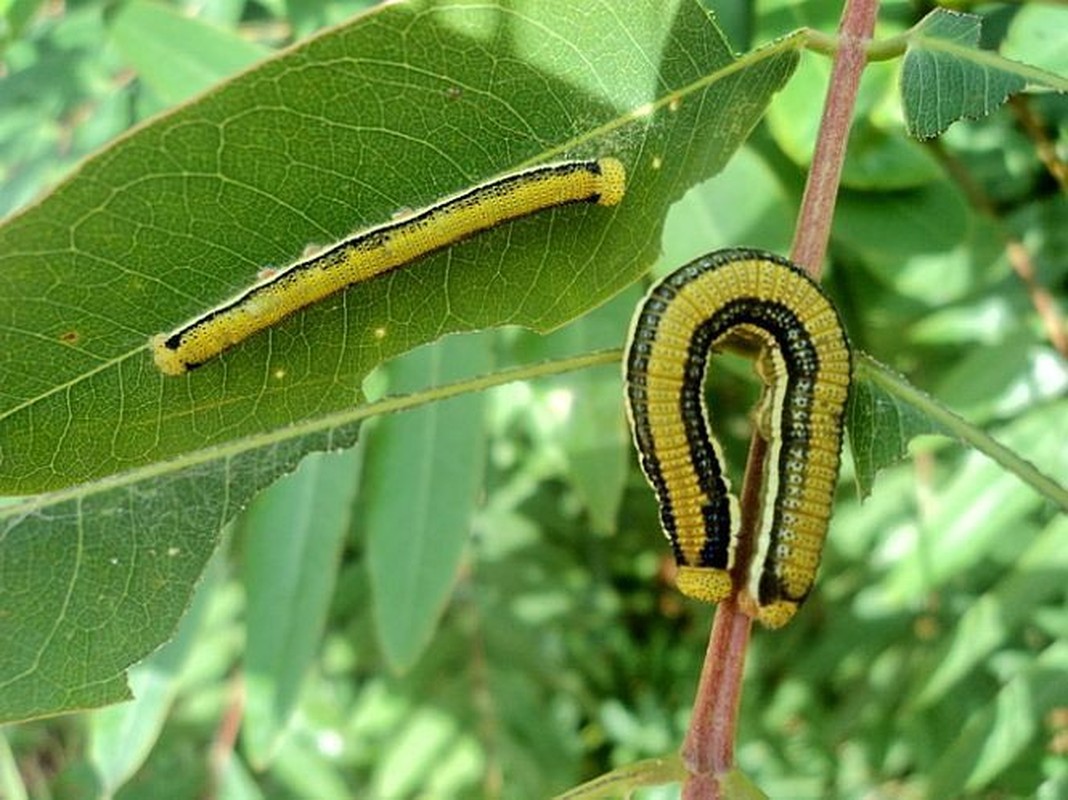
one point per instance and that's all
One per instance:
(963, 430)
(390, 405)
(886, 49)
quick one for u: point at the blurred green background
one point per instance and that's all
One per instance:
(931, 660)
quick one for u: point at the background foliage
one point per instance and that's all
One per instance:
(930, 661)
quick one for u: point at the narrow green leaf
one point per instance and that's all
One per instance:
(11, 784)
(426, 738)
(293, 535)
(946, 77)
(305, 771)
(424, 474)
(993, 737)
(597, 443)
(178, 56)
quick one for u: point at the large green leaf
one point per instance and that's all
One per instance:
(96, 577)
(377, 116)
(393, 110)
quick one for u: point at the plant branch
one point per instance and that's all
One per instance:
(708, 750)
(817, 206)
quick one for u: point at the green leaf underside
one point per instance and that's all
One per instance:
(946, 77)
(393, 111)
(96, 578)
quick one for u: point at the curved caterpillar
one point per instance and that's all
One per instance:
(385, 247)
(735, 298)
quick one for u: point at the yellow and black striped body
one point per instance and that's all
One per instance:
(386, 247)
(722, 300)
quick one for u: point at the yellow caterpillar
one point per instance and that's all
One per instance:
(724, 299)
(383, 248)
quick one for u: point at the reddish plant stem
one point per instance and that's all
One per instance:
(1035, 128)
(1042, 299)
(708, 750)
(222, 745)
(817, 206)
